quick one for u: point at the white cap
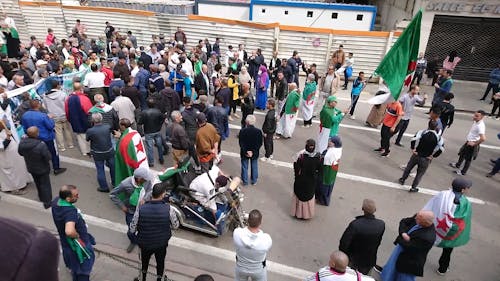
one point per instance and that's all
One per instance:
(40, 62)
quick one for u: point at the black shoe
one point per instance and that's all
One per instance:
(401, 181)
(103, 190)
(378, 149)
(130, 247)
(493, 161)
(46, 205)
(413, 190)
(162, 161)
(398, 144)
(59, 171)
(151, 165)
(385, 154)
(481, 99)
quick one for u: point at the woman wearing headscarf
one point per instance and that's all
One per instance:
(377, 113)
(330, 159)
(308, 100)
(307, 169)
(244, 76)
(262, 84)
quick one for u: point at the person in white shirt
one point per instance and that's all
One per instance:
(469, 151)
(34, 49)
(205, 188)
(337, 270)
(134, 68)
(229, 54)
(124, 107)
(154, 54)
(252, 245)
(94, 80)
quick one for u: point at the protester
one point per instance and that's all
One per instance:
(330, 118)
(126, 196)
(94, 80)
(419, 71)
(451, 207)
(492, 83)
(77, 107)
(415, 240)
(252, 245)
(327, 87)
(102, 151)
(337, 270)
(262, 84)
(307, 169)
(54, 102)
(268, 130)
(250, 140)
(76, 242)
(469, 151)
(443, 86)
(247, 103)
(357, 86)
(207, 143)
(152, 120)
(288, 115)
(362, 238)
(408, 102)
(178, 137)
(281, 91)
(447, 112)
(124, 107)
(330, 161)
(393, 115)
(307, 101)
(425, 145)
(217, 116)
(496, 105)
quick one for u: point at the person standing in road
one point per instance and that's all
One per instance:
(37, 156)
(415, 240)
(337, 270)
(307, 101)
(217, 116)
(419, 71)
(152, 223)
(330, 160)
(252, 245)
(268, 130)
(429, 145)
(307, 169)
(207, 142)
(125, 107)
(357, 86)
(469, 151)
(77, 107)
(408, 102)
(54, 102)
(178, 137)
(326, 88)
(76, 242)
(393, 115)
(492, 83)
(127, 194)
(152, 120)
(451, 208)
(362, 238)
(247, 103)
(250, 140)
(288, 114)
(102, 151)
(496, 105)
(447, 112)
(281, 90)
(443, 86)
(330, 118)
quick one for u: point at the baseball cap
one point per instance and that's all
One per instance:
(457, 185)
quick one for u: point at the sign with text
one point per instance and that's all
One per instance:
(462, 7)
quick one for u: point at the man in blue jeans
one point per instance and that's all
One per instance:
(46, 128)
(101, 149)
(152, 119)
(250, 139)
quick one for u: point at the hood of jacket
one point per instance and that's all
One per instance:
(28, 144)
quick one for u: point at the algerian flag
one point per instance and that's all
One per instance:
(452, 221)
(400, 62)
(130, 154)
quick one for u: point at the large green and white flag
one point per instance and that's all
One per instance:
(452, 221)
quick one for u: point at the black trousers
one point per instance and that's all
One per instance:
(354, 101)
(418, 76)
(385, 137)
(402, 126)
(488, 88)
(160, 254)
(268, 145)
(308, 122)
(466, 154)
(496, 105)
(422, 164)
(44, 188)
(444, 260)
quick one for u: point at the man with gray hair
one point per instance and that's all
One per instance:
(178, 137)
(250, 139)
(101, 149)
(362, 238)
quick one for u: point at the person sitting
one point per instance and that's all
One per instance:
(205, 187)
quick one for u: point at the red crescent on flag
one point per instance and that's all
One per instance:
(460, 224)
(124, 151)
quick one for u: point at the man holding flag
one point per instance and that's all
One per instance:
(453, 213)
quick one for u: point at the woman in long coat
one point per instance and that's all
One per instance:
(307, 169)
(330, 161)
(262, 84)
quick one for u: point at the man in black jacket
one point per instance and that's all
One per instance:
(362, 238)
(152, 223)
(37, 157)
(281, 90)
(447, 111)
(250, 140)
(274, 66)
(268, 130)
(416, 238)
(201, 81)
(217, 116)
(152, 119)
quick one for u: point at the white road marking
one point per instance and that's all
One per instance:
(278, 268)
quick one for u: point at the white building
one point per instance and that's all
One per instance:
(295, 13)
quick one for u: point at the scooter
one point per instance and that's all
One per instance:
(191, 214)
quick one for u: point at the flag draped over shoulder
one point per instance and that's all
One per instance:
(452, 221)
(400, 62)
(130, 154)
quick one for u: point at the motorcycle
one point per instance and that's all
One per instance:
(191, 214)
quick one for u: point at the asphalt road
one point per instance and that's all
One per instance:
(307, 244)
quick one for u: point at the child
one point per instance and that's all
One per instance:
(268, 128)
(357, 86)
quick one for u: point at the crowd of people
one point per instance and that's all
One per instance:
(124, 100)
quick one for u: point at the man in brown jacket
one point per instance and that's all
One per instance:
(207, 140)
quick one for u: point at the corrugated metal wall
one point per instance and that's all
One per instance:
(313, 47)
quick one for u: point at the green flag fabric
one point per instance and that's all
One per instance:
(452, 221)
(400, 62)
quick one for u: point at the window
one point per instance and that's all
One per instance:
(309, 14)
(286, 12)
(359, 17)
(263, 11)
(335, 15)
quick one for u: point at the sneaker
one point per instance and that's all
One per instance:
(130, 247)
(71, 146)
(398, 144)
(413, 189)
(441, 273)
(378, 149)
(162, 161)
(453, 164)
(401, 181)
(270, 157)
(62, 149)
(59, 171)
(497, 118)
(303, 126)
(264, 159)
(352, 117)
(459, 172)
(385, 154)
(230, 118)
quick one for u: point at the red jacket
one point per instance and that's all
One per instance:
(108, 75)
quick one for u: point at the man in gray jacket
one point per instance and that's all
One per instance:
(127, 196)
(54, 103)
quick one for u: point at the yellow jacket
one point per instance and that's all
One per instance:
(232, 84)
